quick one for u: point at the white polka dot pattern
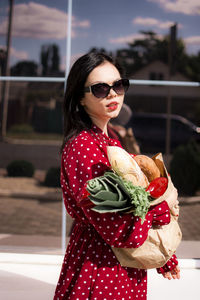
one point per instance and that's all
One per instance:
(90, 269)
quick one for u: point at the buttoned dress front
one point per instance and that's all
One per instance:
(90, 269)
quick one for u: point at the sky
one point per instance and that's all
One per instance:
(108, 24)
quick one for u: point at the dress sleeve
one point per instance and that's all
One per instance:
(126, 230)
(118, 230)
(169, 266)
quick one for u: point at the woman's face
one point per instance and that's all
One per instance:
(101, 110)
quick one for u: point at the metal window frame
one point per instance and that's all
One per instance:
(132, 81)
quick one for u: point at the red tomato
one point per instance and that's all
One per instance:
(157, 187)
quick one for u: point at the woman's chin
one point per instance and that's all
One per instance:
(114, 114)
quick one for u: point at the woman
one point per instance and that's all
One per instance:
(94, 95)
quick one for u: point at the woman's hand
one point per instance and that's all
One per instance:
(175, 274)
(172, 198)
(175, 210)
(173, 202)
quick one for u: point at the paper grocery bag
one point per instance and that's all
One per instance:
(158, 248)
(161, 242)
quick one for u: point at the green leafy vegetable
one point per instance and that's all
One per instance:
(111, 193)
(139, 199)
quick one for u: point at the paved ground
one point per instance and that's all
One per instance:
(26, 208)
(30, 212)
(189, 218)
(32, 216)
(27, 276)
(30, 222)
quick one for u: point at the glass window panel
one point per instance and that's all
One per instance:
(34, 135)
(38, 48)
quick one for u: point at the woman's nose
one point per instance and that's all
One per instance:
(112, 93)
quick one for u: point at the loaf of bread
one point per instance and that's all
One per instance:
(126, 166)
(159, 163)
(148, 167)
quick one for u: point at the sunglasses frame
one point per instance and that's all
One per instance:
(89, 88)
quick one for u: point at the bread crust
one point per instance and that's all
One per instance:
(148, 167)
(126, 166)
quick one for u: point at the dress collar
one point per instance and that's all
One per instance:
(100, 132)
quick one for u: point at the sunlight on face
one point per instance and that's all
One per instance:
(101, 110)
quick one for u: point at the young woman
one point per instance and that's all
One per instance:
(94, 95)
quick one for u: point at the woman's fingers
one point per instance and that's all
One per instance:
(167, 275)
(175, 274)
(172, 198)
(175, 211)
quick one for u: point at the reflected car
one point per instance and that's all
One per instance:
(150, 131)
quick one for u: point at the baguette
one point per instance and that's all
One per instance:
(125, 166)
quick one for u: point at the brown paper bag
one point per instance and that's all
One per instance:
(161, 242)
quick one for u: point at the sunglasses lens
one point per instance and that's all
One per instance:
(121, 86)
(100, 90)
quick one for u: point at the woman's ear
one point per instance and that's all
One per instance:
(82, 102)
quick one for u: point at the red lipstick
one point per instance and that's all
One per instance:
(112, 106)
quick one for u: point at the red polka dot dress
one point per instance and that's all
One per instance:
(90, 269)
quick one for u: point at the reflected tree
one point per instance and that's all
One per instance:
(102, 50)
(2, 62)
(50, 60)
(193, 67)
(24, 68)
(141, 52)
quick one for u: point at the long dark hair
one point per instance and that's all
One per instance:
(75, 117)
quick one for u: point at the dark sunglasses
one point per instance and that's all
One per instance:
(101, 90)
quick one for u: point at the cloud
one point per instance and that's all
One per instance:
(192, 40)
(129, 38)
(73, 58)
(39, 21)
(3, 47)
(152, 22)
(126, 39)
(22, 55)
(83, 24)
(19, 54)
(187, 7)
(142, 21)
